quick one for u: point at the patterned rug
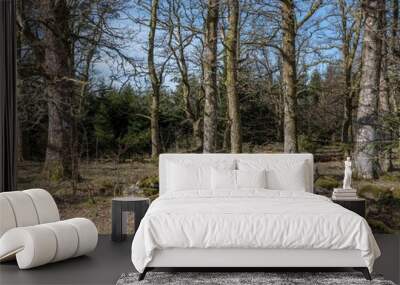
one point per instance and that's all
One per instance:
(243, 278)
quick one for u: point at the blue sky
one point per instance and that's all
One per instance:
(136, 48)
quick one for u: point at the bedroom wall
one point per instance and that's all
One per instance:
(85, 108)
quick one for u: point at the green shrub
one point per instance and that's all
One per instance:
(306, 144)
(148, 192)
(327, 182)
(373, 191)
(346, 148)
(380, 227)
(149, 182)
(390, 177)
(396, 193)
(55, 171)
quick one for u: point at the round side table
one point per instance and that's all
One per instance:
(120, 207)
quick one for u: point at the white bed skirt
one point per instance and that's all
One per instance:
(190, 257)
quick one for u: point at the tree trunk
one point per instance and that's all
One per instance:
(210, 78)
(347, 73)
(231, 46)
(350, 39)
(348, 105)
(384, 105)
(226, 142)
(54, 152)
(75, 145)
(394, 63)
(191, 115)
(197, 139)
(154, 124)
(366, 150)
(395, 26)
(178, 52)
(155, 83)
(384, 111)
(347, 119)
(58, 67)
(289, 76)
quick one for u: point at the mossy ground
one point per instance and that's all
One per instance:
(382, 195)
(327, 182)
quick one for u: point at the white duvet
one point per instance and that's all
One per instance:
(250, 219)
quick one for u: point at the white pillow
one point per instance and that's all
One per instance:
(293, 179)
(223, 179)
(251, 178)
(227, 179)
(181, 177)
(281, 174)
(186, 175)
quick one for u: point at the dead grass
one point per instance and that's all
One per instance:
(100, 182)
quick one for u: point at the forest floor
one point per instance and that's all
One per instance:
(100, 182)
(103, 180)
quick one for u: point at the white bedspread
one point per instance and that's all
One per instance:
(250, 219)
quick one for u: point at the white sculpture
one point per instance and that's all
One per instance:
(347, 174)
(31, 231)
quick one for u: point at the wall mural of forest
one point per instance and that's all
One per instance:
(105, 86)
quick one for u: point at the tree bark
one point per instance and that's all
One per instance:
(210, 78)
(350, 39)
(394, 50)
(231, 46)
(366, 149)
(179, 53)
(226, 142)
(395, 26)
(197, 138)
(155, 84)
(384, 105)
(289, 76)
(58, 67)
(347, 119)
(347, 74)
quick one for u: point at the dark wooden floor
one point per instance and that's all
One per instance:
(110, 260)
(103, 266)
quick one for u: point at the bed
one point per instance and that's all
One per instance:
(245, 211)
